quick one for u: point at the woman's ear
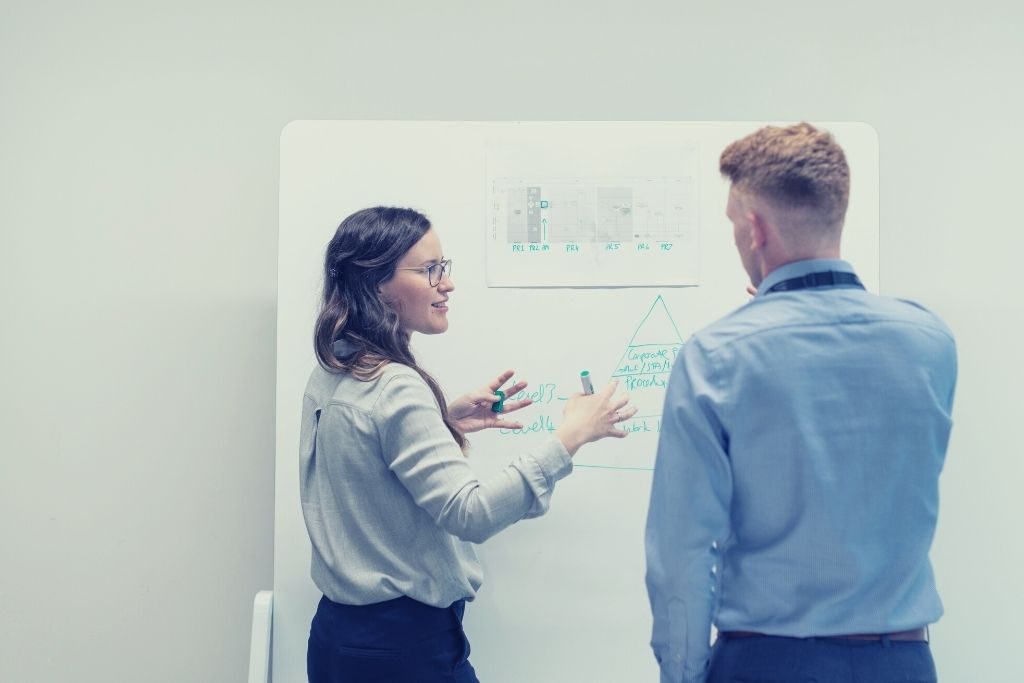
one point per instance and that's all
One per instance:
(385, 300)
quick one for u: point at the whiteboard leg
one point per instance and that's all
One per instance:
(259, 646)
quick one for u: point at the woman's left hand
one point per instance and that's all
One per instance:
(472, 412)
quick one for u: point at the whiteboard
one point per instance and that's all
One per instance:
(563, 597)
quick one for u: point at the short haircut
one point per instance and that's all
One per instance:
(794, 167)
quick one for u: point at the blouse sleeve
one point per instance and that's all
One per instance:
(419, 449)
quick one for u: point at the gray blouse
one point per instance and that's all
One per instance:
(391, 503)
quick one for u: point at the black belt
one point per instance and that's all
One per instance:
(916, 635)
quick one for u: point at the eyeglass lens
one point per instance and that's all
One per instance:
(438, 271)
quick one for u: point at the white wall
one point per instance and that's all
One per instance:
(138, 225)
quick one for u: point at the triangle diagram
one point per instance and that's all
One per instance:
(644, 368)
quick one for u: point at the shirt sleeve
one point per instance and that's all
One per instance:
(688, 519)
(422, 453)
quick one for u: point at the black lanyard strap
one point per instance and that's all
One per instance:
(824, 278)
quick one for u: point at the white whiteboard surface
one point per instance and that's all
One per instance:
(563, 597)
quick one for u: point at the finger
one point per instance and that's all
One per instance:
(501, 379)
(482, 397)
(626, 413)
(512, 406)
(618, 417)
(515, 388)
(610, 389)
(498, 423)
(621, 401)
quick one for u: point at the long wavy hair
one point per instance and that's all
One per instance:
(360, 258)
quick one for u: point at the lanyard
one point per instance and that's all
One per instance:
(825, 278)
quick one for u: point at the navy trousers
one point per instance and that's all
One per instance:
(398, 641)
(770, 659)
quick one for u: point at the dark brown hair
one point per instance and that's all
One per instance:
(360, 257)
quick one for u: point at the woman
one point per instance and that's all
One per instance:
(390, 503)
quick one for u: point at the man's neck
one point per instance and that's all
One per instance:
(772, 264)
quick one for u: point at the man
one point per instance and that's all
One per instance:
(796, 485)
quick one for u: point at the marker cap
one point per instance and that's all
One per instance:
(588, 386)
(500, 403)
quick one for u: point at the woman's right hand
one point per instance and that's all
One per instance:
(593, 417)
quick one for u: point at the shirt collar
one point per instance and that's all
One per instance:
(801, 268)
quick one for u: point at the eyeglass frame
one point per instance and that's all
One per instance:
(446, 269)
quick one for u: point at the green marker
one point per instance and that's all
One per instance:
(500, 403)
(588, 387)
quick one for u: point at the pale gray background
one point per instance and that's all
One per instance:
(138, 217)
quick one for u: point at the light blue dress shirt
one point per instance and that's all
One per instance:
(796, 483)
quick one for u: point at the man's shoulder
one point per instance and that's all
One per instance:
(776, 313)
(750, 318)
(888, 309)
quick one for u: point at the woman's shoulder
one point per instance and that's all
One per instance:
(402, 383)
(392, 370)
(332, 386)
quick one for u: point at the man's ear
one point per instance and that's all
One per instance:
(759, 230)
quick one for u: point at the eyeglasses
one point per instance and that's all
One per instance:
(434, 272)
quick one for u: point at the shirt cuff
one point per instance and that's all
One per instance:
(541, 469)
(555, 462)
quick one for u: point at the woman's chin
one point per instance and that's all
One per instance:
(435, 327)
